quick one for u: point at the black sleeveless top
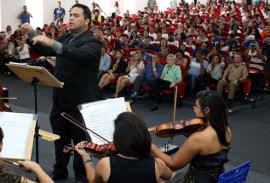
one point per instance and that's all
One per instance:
(132, 171)
(206, 168)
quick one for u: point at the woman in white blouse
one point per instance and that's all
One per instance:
(134, 68)
(214, 71)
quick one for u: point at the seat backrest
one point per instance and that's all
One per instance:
(236, 175)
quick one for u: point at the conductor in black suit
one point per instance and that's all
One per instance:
(77, 64)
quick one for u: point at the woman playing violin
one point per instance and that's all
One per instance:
(134, 162)
(206, 151)
(9, 177)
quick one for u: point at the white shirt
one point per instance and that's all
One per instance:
(24, 53)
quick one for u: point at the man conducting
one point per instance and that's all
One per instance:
(77, 64)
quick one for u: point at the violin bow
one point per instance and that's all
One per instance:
(9, 98)
(80, 125)
(14, 164)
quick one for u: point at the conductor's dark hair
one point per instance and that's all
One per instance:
(217, 116)
(131, 137)
(86, 11)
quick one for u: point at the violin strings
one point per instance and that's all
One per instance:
(80, 125)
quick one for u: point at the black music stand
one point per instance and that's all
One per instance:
(35, 75)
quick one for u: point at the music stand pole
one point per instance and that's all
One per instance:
(34, 83)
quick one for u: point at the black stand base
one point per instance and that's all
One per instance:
(34, 83)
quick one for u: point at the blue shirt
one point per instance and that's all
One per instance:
(25, 17)
(149, 73)
(195, 67)
(146, 56)
(59, 12)
(105, 62)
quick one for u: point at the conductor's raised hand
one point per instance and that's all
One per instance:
(43, 40)
(27, 28)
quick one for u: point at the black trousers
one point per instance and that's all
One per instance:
(207, 80)
(159, 85)
(67, 132)
(141, 81)
(256, 79)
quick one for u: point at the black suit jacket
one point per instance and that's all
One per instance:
(77, 67)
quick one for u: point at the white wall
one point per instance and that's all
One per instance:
(42, 10)
(36, 9)
(9, 13)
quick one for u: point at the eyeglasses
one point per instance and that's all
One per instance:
(197, 107)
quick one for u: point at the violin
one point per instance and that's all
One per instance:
(95, 149)
(178, 128)
(3, 106)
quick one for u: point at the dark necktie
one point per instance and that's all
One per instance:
(71, 38)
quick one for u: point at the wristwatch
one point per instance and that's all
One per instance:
(154, 69)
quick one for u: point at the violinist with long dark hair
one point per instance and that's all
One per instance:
(9, 177)
(134, 162)
(206, 150)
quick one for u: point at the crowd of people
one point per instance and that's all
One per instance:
(208, 46)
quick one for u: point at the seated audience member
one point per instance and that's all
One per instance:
(8, 177)
(214, 71)
(163, 33)
(147, 44)
(171, 40)
(105, 63)
(163, 56)
(233, 76)
(205, 150)
(197, 68)
(128, 31)
(191, 30)
(135, 42)
(97, 17)
(180, 33)
(134, 68)
(266, 32)
(223, 47)
(152, 33)
(134, 162)
(150, 74)
(253, 55)
(215, 50)
(117, 69)
(231, 38)
(170, 77)
(163, 44)
(108, 34)
(216, 37)
(133, 36)
(124, 42)
(145, 56)
(180, 59)
(183, 47)
(23, 50)
(204, 49)
(3, 46)
(248, 40)
(201, 37)
(117, 34)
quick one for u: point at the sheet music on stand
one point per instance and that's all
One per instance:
(99, 117)
(19, 130)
